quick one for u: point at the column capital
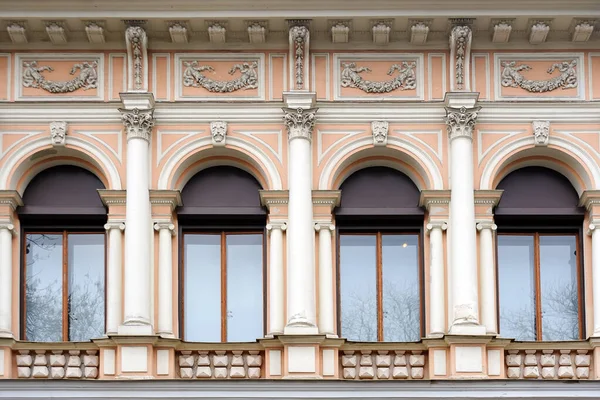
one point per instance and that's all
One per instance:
(278, 224)
(299, 122)
(114, 225)
(168, 225)
(8, 226)
(436, 224)
(138, 123)
(461, 121)
(481, 225)
(324, 225)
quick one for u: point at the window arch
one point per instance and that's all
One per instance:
(222, 256)
(539, 256)
(380, 228)
(63, 279)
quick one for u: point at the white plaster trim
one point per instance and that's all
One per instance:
(255, 135)
(106, 165)
(499, 57)
(407, 150)
(313, 73)
(41, 57)
(571, 133)
(208, 57)
(119, 152)
(416, 57)
(168, 77)
(8, 75)
(591, 55)
(320, 133)
(485, 56)
(111, 58)
(4, 151)
(439, 134)
(169, 175)
(284, 72)
(159, 133)
(526, 143)
(430, 57)
(480, 132)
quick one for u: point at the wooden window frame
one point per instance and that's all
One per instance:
(222, 233)
(65, 274)
(536, 234)
(379, 233)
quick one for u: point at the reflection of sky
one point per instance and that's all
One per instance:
(202, 291)
(558, 269)
(358, 287)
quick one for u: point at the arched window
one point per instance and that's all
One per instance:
(64, 256)
(222, 256)
(539, 256)
(380, 228)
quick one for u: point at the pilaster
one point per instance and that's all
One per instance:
(590, 199)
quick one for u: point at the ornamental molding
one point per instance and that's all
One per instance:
(461, 121)
(272, 225)
(299, 122)
(512, 77)
(437, 224)
(138, 123)
(380, 132)
(299, 40)
(58, 133)
(120, 225)
(137, 45)
(406, 79)
(218, 131)
(87, 79)
(193, 77)
(324, 225)
(481, 225)
(11, 198)
(168, 225)
(460, 56)
(541, 132)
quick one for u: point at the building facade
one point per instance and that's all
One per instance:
(284, 199)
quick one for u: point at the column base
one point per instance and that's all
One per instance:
(467, 328)
(6, 334)
(135, 330)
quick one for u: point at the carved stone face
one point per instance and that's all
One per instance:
(218, 130)
(58, 132)
(541, 132)
(380, 132)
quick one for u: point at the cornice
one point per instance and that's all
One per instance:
(434, 197)
(12, 198)
(166, 197)
(327, 197)
(270, 198)
(491, 197)
(589, 198)
(112, 197)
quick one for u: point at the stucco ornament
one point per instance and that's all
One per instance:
(511, 77)
(136, 39)
(405, 80)
(380, 132)
(299, 122)
(461, 121)
(541, 132)
(58, 133)
(460, 45)
(193, 76)
(87, 78)
(298, 36)
(138, 123)
(218, 131)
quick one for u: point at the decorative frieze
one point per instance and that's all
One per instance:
(138, 123)
(57, 364)
(511, 77)
(383, 365)
(405, 80)
(379, 130)
(541, 132)
(299, 39)
(58, 133)
(193, 77)
(137, 54)
(548, 364)
(299, 122)
(87, 79)
(460, 56)
(461, 121)
(220, 364)
(218, 131)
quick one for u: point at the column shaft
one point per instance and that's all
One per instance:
(596, 277)
(326, 297)
(487, 276)
(6, 280)
(276, 282)
(165, 279)
(437, 286)
(114, 288)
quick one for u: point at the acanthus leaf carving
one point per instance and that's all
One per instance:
(299, 122)
(406, 79)
(461, 121)
(541, 132)
(193, 77)
(298, 37)
(58, 133)
(511, 77)
(87, 78)
(137, 42)
(460, 45)
(138, 123)
(218, 131)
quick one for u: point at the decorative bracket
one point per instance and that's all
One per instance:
(178, 33)
(17, 33)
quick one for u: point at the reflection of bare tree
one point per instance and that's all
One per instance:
(359, 316)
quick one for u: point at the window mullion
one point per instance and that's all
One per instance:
(65, 291)
(538, 285)
(379, 269)
(223, 287)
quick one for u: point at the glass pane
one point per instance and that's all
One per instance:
(244, 288)
(358, 287)
(558, 275)
(202, 288)
(401, 296)
(516, 287)
(43, 287)
(86, 286)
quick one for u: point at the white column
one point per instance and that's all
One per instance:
(301, 296)
(276, 283)
(114, 264)
(326, 296)
(487, 275)
(461, 115)
(594, 231)
(437, 282)
(6, 279)
(166, 230)
(137, 290)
